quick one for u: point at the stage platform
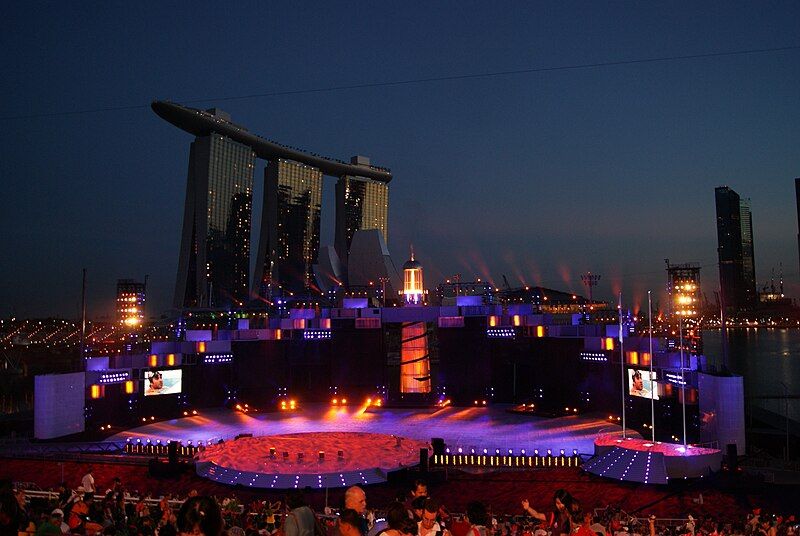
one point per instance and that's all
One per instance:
(315, 459)
(639, 460)
(491, 427)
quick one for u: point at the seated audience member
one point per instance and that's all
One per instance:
(417, 507)
(58, 519)
(586, 528)
(200, 516)
(478, 519)
(50, 526)
(300, 520)
(356, 499)
(349, 523)
(428, 524)
(397, 521)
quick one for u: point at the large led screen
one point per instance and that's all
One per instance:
(641, 384)
(162, 382)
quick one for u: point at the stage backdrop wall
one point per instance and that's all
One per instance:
(58, 402)
(722, 410)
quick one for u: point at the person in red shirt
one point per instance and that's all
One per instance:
(586, 527)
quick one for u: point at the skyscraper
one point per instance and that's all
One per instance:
(749, 290)
(290, 226)
(797, 204)
(213, 265)
(130, 303)
(361, 204)
(735, 249)
(214, 259)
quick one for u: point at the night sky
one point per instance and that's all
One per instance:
(539, 176)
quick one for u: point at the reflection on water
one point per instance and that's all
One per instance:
(769, 360)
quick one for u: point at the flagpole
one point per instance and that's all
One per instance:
(683, 378)
(622, 367)
(652, 383)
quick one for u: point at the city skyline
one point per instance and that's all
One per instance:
(540, 177)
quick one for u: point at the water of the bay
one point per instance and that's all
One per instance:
(769, 361)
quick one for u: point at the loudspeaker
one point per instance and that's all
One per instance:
(732, 456)
(438, 445)
(423, 460)
(172, 452)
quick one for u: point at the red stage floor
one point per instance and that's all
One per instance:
(360, 451)
(316, 459)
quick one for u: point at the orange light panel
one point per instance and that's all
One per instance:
(129, 387)
(171, 359)
(415, 372)
(96, 391)
(153, 360)
(201, 347)
(540, 331)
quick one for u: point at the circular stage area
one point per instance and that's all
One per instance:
(316, 459)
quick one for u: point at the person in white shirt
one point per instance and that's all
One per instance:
(428, 526)
(88, 482)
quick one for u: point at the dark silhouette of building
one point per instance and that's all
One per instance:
(735, 250)
(290, 226)
(214, 259)
(361, 204)
(797, 204)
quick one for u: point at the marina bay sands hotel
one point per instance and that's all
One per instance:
(214, 259)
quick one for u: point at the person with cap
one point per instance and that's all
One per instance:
(58, 519)
(52, 525)
(80, 510)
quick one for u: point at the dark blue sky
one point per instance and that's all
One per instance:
(537, 176)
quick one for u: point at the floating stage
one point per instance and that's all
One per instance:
(368, 440)
(635, 459)
(315, 459)
(491, 427)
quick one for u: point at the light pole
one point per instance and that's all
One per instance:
(590, 280)
(652, 383)
(622, 366)
(383, 281)
(786, 413)
(683, 378)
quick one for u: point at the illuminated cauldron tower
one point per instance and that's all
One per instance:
(415, 363)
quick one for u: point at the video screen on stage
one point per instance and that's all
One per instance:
(641, 384)
(162, 382)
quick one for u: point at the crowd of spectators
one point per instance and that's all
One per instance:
(114, 512)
